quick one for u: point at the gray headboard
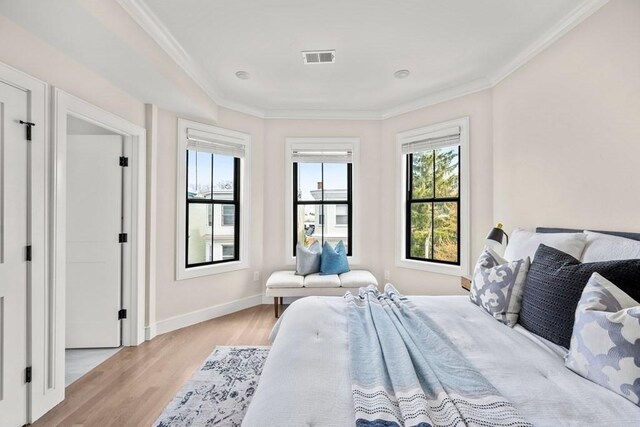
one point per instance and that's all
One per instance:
(633, 236)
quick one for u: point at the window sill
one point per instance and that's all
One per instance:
(208, 270)
(432, 267)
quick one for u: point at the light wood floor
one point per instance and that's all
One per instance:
(133, 387)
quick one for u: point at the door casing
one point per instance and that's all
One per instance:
(134, 188)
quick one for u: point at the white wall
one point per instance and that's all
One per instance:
(567, 129)
(180, 297)
(24, 51)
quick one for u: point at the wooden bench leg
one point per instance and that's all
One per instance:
(275, 306)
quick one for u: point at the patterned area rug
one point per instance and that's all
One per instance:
(220, 391)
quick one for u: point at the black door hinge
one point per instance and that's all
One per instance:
(124, 161)
(29, 125)
(29, 253)
(122, 238)
(122, 314)
(27, 375)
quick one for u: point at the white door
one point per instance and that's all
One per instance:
(13, 259)
(94, 221)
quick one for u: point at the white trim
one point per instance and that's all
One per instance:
(150, 332)
(202, 315)
(142, 14)
(575, 17)
(42, 302)
(245, 200)
(152, 206)
(336, 143)
(134, 207)
(465, 198)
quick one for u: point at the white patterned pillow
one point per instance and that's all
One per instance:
(498, 284)
(605, 345)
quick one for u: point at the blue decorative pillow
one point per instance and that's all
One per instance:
(498, 284)
(604, 346)
(333, 261)
(308, 260)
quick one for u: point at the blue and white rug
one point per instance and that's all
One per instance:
(220, 391)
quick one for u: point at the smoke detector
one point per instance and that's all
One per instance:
(319, 56)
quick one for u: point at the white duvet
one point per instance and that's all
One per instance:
(306, 381)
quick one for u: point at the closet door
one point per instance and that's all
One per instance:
(13, 256)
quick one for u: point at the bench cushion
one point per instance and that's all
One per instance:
(357, 278)
(285, 279)
(321, 281)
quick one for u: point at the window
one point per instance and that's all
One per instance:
(322, 190)
(228, 252)
(213, 183)
(342, 215)
(434, 206)
(212, 216)
(228, 215)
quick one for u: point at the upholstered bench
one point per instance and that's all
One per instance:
(288, 284)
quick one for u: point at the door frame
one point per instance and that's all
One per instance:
(39, 395)
(134, 209)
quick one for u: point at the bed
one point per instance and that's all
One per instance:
(306, 379)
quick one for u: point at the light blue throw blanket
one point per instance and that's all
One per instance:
(406, 372)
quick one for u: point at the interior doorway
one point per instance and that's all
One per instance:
(94, 245)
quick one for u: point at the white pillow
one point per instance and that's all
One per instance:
(523, 243)
(603, 247)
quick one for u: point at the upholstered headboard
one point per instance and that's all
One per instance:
(633, 236)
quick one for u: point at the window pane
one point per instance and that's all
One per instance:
(309, 224)
(199, 234)
(199, 175)
(422, 175)
(332, 231)
(447, 172)
(420, 236)
(228, 217)
(335, 181)
(445, 223)
(223, 177)
(309, 181)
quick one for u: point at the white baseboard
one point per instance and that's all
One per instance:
(150, 332)
(188, 319)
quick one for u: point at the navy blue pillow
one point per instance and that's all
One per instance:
(333, 261)
(554, 286)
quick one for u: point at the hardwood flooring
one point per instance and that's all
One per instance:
(133, 387)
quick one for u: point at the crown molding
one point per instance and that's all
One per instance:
(572, 20)
(142, 14)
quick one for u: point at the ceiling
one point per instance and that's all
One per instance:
(445, 44)
(451, 48)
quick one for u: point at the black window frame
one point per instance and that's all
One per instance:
(322, 202)
(410, 201)
(212, 202)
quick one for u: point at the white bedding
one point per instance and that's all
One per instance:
(306, 381)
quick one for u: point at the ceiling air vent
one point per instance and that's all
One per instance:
(319, 56)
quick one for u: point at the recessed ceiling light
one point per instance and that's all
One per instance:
(243, 75)
(401, 74)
